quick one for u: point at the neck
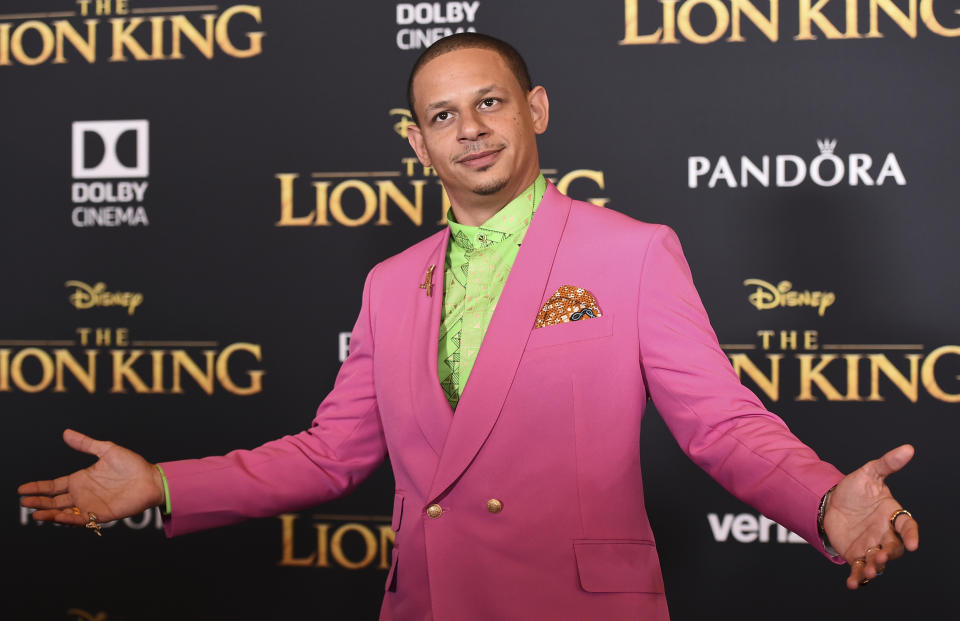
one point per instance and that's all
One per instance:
(473, 209)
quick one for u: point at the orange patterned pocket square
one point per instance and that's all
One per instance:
(569, 303)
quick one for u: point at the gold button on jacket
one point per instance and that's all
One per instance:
(494, 506)
(434, 511)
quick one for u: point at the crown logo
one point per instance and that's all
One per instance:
(827, 146)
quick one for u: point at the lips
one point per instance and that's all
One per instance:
(480, 159)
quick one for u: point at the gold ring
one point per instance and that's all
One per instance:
(865, 580)
(861, 561)
(896, 514)
(76, 510)
(93, 523)
(879, 546)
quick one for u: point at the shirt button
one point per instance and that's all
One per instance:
(481, 238)
(494, 506)
(434, 511)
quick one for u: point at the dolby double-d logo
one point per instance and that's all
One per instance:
(111, 149)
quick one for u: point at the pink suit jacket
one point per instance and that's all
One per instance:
(548, 424)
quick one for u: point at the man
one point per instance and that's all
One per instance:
(523, 451)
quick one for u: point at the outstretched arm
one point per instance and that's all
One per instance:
(865, 523)
(119, 484)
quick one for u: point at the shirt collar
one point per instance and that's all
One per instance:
(513, 218)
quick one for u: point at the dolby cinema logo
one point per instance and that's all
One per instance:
(110, 163)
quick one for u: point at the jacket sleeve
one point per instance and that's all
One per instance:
(719, 423)
(344, 444)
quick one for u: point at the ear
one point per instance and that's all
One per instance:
(539, 108)
(415, 138)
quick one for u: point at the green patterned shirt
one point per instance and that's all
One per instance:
(477, 264)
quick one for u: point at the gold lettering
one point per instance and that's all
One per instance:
(810, 339)
(387, 537)
(929, 378)
(223, 35)
(720, 13)
(769, 27)
(223, 370)
(84, 334)
(369, 200)
(86, 47)
(323, 545)
(322, 189)
(409, 164)
(4, 44)
(180, 25)
(46, 369)
(810, 14)
(907, 24)
(156, 37)
(910, 388)
(87, 377)
(287, 559)
(4, 370)
(406, 120)
(769, 385)
(369, 540)
(413, 210)
(156, 357)
(788, 339)
(926, 14)
(123, 38)
(631, 28)
(102, 337)
(853, 377)
(286, 203)
(46, 38)
(204, 379)
(122, 369)
(593, 175)
(810, 374)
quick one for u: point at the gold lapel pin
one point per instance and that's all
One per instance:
(428, 281)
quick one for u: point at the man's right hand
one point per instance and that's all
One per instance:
(121, 483)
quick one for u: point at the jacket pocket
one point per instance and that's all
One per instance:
(618, 566)
(561, 334)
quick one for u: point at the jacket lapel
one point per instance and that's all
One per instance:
(504, 342)
(427, 400)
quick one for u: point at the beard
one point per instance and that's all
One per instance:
(490, 187)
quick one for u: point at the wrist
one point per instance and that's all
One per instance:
(821, 516)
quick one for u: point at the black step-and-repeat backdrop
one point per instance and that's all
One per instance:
(191, 195)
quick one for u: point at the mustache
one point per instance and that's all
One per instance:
(474, 149)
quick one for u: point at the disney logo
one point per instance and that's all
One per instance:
(406, 120)
(767, 296)
(87, 296)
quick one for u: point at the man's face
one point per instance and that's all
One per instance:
(477, 127)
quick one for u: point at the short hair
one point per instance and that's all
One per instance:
(467, 40)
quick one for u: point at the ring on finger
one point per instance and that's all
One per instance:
(896, 514)
(879, 546)
(93, 523)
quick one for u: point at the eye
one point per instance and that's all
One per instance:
(489, 102)
(441, 116)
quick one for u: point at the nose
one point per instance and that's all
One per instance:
(471, 127)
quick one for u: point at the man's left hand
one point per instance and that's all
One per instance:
(859, 520)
